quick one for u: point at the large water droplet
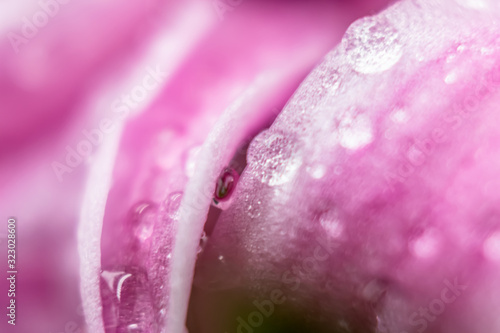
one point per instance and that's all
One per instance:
(126, 301)
(143, 216)
(274, 158)
(173, 204)
(355, 132)
(372, 45)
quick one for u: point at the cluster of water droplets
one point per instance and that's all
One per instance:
(372, 45)
(274, 158)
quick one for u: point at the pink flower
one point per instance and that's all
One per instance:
(173, 174)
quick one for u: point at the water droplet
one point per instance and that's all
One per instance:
(316, 171)
(372, 45)
(173, 203)
(355, 132)
(330, 221)
(491, 247)
(127, 305)
(400, 116)
(274, 158)
(451, 78)
(225, 184)
(143, 216)
(115, 280)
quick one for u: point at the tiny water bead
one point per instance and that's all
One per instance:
(274, 158)
(372, 45)
(225, 184)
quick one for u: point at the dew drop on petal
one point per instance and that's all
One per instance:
(355, 132)
(372, 45)
(143, 216)
(173, 203)
(491, 247)
(127, 305)
(451, 78)
(400, 116)
(274, 158)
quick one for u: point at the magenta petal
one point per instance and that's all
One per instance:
(370, 203)
(143, 190)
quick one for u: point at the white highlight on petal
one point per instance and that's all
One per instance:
(400, 116)
(491, 247)
(331, 223)
(473, 4)
(425, 246)
(316, 171)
